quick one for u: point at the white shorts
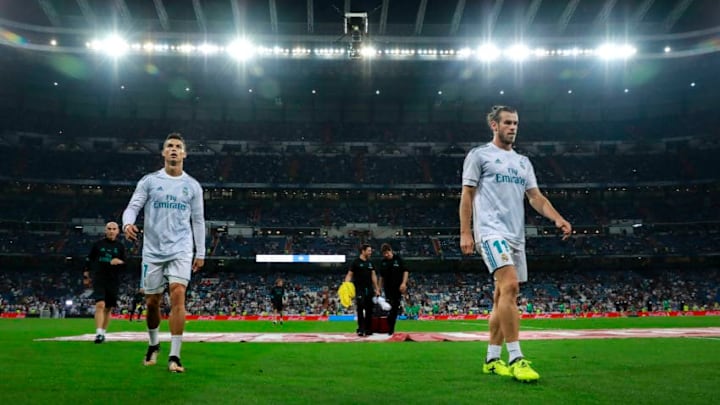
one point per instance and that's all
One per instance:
(156, 276)
(497, 252)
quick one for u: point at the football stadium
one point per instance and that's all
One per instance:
(359, 201)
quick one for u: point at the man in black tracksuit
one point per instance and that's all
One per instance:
(393, 278)
(362, 274)
(105, 261)
(136, 304)
(277, 293)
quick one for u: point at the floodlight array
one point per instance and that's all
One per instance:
(243, 49)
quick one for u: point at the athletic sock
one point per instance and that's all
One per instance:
(153, 334)
(514, 351)
(493, 352)
(175, 345)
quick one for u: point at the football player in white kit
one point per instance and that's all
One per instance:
(174, 224)
(495, 180)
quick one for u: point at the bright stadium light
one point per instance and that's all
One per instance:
(614, 51)
(186, 48)
(518, 52)
(541, 52)
(241, 49)
(571, 52)
(113, 46)
(368, 51)
(208, 49)
(488, 53)
(463, 53)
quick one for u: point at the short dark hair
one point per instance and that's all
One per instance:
(175, 135)
(494, 114)
(385, 247)
(364, 246)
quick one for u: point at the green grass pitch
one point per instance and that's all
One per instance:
(606, 371)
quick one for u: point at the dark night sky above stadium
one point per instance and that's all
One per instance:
(436, 18)
(689, 26)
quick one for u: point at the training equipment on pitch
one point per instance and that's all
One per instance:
(346, 292)
(382, 302)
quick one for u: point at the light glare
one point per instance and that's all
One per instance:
(241, 49)
(518, 52)
(612, 51)
(488, 53)
(113, 46)
(367, 51)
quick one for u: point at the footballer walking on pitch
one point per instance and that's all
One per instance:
(105, 261)
(495, 180)
(174, 224)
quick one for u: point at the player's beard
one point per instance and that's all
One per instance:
(506, 139)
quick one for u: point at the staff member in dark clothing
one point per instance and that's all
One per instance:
(393, 278)
(362, 274)
(105, 261)
(277, 293)
(136, 305)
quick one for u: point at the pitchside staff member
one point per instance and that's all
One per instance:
(277, 293)
(362, 274)
(393, 278)
(136, 305)
(105, 261)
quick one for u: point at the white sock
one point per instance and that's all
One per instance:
(99, 331)
(494, 352)
(154, 335)
(514, 350)
(175, 345)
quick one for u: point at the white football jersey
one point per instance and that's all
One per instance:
(501, 179)
(174, 216)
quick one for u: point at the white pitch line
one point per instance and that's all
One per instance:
(522, 327)
(467, 323)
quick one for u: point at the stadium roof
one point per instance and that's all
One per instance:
(70, 73)
(412, 20)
